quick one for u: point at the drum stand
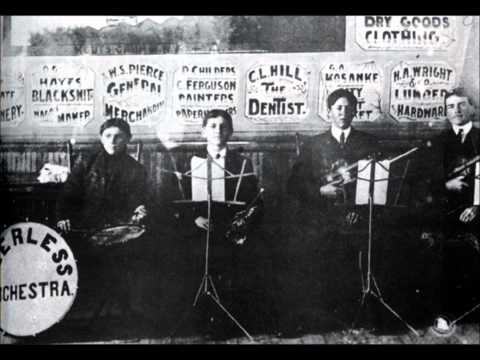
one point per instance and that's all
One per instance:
(367, 288)
(207, 287)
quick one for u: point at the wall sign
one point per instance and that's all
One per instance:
(134, 92)
(420, 33)
(62, 94)
(364, 80)
(200, 88)
(418, 89)
(12, 99)
(277, 93)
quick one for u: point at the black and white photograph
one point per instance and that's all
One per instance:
(240, 179)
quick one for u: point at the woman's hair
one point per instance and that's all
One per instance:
(116, 122)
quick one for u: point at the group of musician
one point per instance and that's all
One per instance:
(109, 188)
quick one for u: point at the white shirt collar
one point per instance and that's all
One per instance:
(466, 128)
(337, 132)
(213, 153)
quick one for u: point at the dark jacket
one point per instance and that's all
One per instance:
(447, 154)
(102, 190)
(318, 157)
(223, 214)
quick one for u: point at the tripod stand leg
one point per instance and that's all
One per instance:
(362, 280)
(379, 297)
(213, 288)
(232, 317)
(202, 284)
(467, 313)
(360, 309)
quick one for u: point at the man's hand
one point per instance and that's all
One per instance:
(64, 225)
(469, 214)
(202, 222)
(139, 214)
(428, 237)
(456, 184)
(352, 218)
(330, 191)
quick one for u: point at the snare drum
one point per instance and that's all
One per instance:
(119, 234)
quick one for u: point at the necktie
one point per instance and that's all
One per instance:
(460, 136)
(342, 139)
(217, 156)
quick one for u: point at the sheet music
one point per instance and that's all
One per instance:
(476, 195)
(199, 179)
(380, 189)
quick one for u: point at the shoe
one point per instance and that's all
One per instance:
(442, 326)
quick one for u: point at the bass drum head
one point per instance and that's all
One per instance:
(38, 279)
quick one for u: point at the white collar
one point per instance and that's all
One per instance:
(213, 153)
(337, 132)
(466, 128)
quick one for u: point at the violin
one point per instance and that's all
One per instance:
(242, 221)
(340, 173)
(462, 167)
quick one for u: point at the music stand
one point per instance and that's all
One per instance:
(368, 289)
(207, 287)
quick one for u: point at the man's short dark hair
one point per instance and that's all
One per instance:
(339, 93)
(460, 92)
(116, 122)
(216, 113)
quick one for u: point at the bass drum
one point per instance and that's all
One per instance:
(39, 278)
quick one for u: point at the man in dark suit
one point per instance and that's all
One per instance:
(238, 256)
(327, 210)
(454, 191)
(217, 128)
(323, 154)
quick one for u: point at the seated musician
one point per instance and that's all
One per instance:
(454, 192)
(106, 188)
(320, 184)
(235, 247)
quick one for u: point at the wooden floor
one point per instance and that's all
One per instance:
(465, 334)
